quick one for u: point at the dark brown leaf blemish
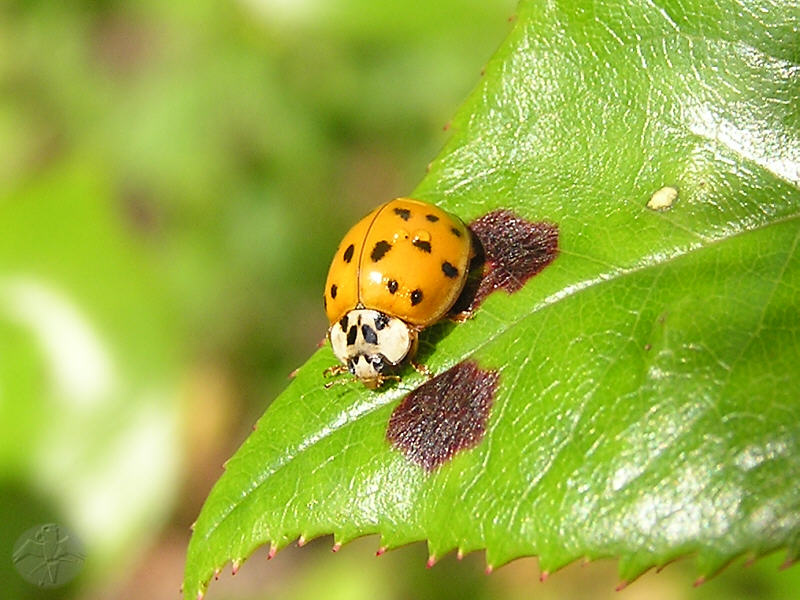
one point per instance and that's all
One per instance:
(444, 415)
(510, 250)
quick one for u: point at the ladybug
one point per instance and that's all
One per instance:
(397, 271)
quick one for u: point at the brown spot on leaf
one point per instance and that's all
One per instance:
(509, 251)
(444, 415)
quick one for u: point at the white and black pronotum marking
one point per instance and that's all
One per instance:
(370, 342)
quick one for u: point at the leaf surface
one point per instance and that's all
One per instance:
(648, 404)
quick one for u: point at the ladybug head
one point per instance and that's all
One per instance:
(371, 343)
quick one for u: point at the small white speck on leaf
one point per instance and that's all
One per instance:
(663, 198)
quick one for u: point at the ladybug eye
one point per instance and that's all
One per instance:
(377, 363)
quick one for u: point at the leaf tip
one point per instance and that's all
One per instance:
(336, 547)
(235, 567)
(380, 551)
(621, 586)
(431, 561)
(273, 550)
(699, 581)
(543, 576)
(489, 569)
(301, 541)
(460, 554)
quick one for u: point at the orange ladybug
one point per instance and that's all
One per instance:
(397, 271)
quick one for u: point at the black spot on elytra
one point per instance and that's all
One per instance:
(416, 297)
(381, 321)
(348, 254)
(334, 289)
(455, 231)
(392, 286)
(423, 245)
(369, 334)
(380, 249)
(432, 218)
(449, 270)
(509, 251)
(343, 323)
(444, 416)
(351, 335)
(403, 213)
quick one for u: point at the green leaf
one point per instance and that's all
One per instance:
(648, 401)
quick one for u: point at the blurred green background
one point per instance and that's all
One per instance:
(174, 177)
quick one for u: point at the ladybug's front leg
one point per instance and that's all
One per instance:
(334, 370)
(422, 369)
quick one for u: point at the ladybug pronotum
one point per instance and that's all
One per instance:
(397, 271)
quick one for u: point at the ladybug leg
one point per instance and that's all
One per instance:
(334, 370)
(461, 317)
(344, 381)
(422, 369)
(374, 384)
(384, 378)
